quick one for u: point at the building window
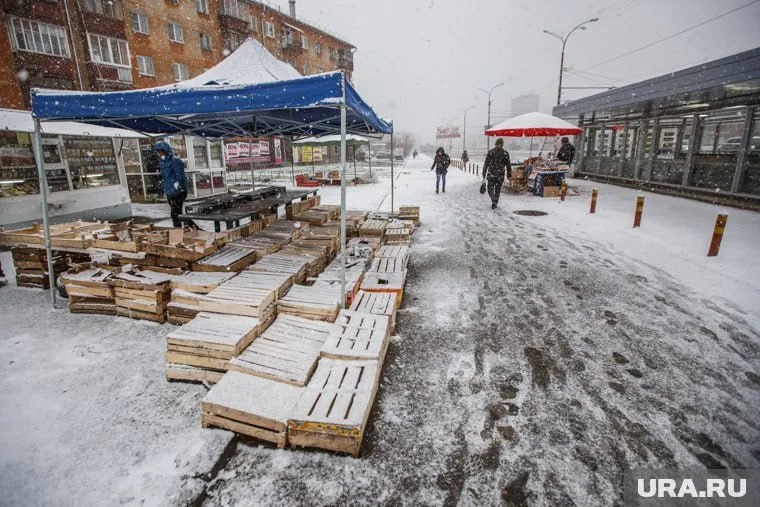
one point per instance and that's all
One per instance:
(318, 48)
(37, 37)
(180, 71)
(305, 69)
(254, 24)
(201, 6)
(304, 41)
(232, 40)
(139, 22)
(110, 8)
(269, 29)
(236, 9)
(108, 51)
(175, 33)
(205, 41)
(145, 66)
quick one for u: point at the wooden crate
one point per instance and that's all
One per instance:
(377, 303)
(293, 209)
(312, 217)
(286, 352)
(250, 405)
(191, 373)
(229, 258)
(398, 236)
(88, 289)
(294, 266)
(210, 340)
(387, 265)
(385, 282)
(247, 294)
(357, 335)
(333, 410)
(310, 302)
(401, 252)
(410, 213)
(199, 282)
(373, 227)
(332, 211)
(141, 294)
(362, 247)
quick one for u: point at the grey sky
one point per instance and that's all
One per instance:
(421, 62)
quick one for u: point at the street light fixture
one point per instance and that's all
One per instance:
(489, 92)
(562, 58)
(464, 129)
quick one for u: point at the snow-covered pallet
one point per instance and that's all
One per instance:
(332, 211)
(313, 217)
(141, 294)
(229, 259)
(385, 282)
(263, 246)
(287, 351)
(387, 265)
(183, 306)
(410, 213)
(317, 255)
(250, 405)
(331, 276)
(191, 373)
(358, 336)
(310, 302)
(293, 228)
(329, 236)
(373, 227)
(282, 263)
(396, 236)
(199, 282)
(393, 251)
(333, 410)
(249, 293)
(88, 290)
(377, 303)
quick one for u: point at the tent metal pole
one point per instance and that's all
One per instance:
(39, 158)
(393, 156)
(343, 201)
(292, 163)
(353, 152)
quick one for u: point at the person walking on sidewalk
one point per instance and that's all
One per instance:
(174, 180)
(494, 168)
(441, 165)
(465, 157)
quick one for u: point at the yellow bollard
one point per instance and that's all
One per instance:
(594, 194)
(720, 226)
(639, 211)
(563, 190)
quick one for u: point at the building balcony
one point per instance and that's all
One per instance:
(233, 23)
(345, 60)
(290, 45)
(108, 77)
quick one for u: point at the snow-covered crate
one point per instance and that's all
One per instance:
(393, 251)
(358, 335)
(229, 259)
(248, 293)
(317, 255)
(385, 282)
(210, 340)
(183, 306)
(88, 290)
(387, 265)
(251, 405)
(362, 247)
(199, 282)
(333, 410)
(376, 303)
(286, 352)
(409, 213)
(311, 302)
(295, 266)
(312, 217)
(141, 294)
(373, 227)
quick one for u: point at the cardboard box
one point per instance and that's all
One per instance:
(551, 192)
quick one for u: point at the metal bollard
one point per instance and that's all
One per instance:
(717, 237)
(639, 211)
(594, 194)
(563, 191)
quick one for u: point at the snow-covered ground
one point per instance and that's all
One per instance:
(537, 358)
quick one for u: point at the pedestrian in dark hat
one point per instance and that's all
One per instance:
(173, 178)
(441, 165)
(495, 168)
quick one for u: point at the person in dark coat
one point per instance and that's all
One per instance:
(465, 157)
(441, 165)
(414, 154)
(495, 168)
(173, 179)
(566, 152)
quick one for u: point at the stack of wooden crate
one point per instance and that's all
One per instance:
(141, 294)
(373, 227)
(31, 265)
(295, 266)
(410, 213)
(187, 289)
(311, 302)
(249, 294)
(200, 349)
(230, 258)
(88, 290)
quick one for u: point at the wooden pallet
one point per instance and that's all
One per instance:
(358, 335)
(286, 352)
(398, 236)
(141, 294)
(250, 405)
(411, 213)
(230, 258)
(393, 251)
(387, 265)
(377, 303)
(283, 263)
(191, 373)
(249, 293)
(310, 302)
(88, 290)
(199, 282)
(312, 217)
(332, 211)
(373, 227)
(262, 245)
(385, 282)
(210, 340)
(333, 410)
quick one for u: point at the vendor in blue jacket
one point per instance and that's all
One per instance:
(174, 180)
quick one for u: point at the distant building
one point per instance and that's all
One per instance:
(524, 104)
(695, 131)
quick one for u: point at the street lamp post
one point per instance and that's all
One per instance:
(562, 58)
(489, 92)
(464, 128)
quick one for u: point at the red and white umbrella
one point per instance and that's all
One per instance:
(534, 125)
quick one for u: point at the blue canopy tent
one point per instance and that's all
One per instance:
(308, 106)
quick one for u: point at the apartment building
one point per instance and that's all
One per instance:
(104, 45)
